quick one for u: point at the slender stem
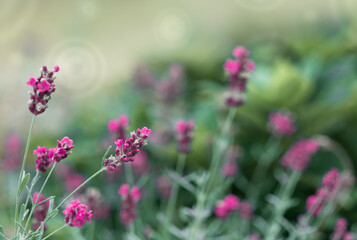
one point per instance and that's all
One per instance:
(32, 185)
(129, 177)
(49, 235)
(80, 186)
(34, 205)
(174, 190)
(21, 173)
(287, 191)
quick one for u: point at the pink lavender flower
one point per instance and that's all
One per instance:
(282, 123)
(76, 214)
(117, 127)
(230, 168)
(331, 179)
(44, 158)
(93, 200)
(41, 210)
(298, 157)
(254, 236)
(164, 185)
(239, 70)
(246, 210)
(348, 236)
(63, 149)
(140, 164)
(126, 150)
(12, 158)
(226, 206)
(129, 203)
(184, 135)
(340, 229)
(43, 87)
(171, 88)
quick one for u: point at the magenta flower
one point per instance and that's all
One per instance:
(12, 157)
(44, 158)
(340, 229)
(184, 130)
(254, 236)
(331, 180)
(63, 149)
(348, 236)
(298, 157)
(117, 127)
(129, 203)
(127, 149)
(239, 70)
(164, 185)
(40, 211)
(226, 206)
(76, 214)
(281, 123)
(229, 168)
(43, 87)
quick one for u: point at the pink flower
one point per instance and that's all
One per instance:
(43, 87)
(348, 236)
(246, 210)
(282, 123)
(63, 149)
(314, 204)
(298, 157)
(118, 126)
(239, 70)
(331, 179)
(226, 206)
(184, 135)
(340, 229)
(126, 150)
(56, 68)
(229, 169)
(12, 157)
(254, 236)
(164, 185)
(129, 203)
(43, 160)
(41, 210)
(76, 214)
(140, 164)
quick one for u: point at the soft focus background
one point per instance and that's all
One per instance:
(305, 53)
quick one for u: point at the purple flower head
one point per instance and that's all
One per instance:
(281, 123)
(76, 214)
(43, 87)
(184, 135)
(43, 159)
(340, 229)
(117, 127)
(129, 203)
(298, 157)
(226, 206)
(126, 150)
(239, 70)
(63, 149)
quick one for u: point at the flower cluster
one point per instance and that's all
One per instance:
(93, 200)
(117, 127)
(40, 211)
(282, 123)
(184, 131)
(128, 207)
(12, 158)
(298, 157)
(339, 231)
(332, 184)
(46, 156)
(239, 70)
(127, 149)
(76, 214)
(43, 87)
(231, 203)
(230, 167)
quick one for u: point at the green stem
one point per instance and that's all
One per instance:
(55, 231)
(22, 172)
(80, 186)
(175, 188)
(32, 185)
(39, 194)
(281, 208)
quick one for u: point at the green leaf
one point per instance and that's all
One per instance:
(2, 235)
(52, 214)
(22, 211)
(23, 184)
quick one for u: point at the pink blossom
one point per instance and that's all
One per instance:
(250, 66)
(314, 204)
(226, 206)
(331, 179)
(129, 203)
(56, 68)
(230, 168)
(118, 126)
(232, 66)
(340, 229)
(43, 87)
(126, 150)
(184, 135)
(240, 51)
(43, 159)
(41, 210)
(348, 236)
(254, 236)
(12, 157)
(63, 149)
(164, 185)
(76, 214)
(140, 164)
(298, 157)
(246, 210)
(282, 123)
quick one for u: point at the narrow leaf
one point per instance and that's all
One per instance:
(23, 184)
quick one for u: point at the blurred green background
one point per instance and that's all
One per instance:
(305, 53)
